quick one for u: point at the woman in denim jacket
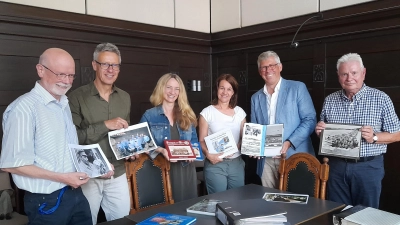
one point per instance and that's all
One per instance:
(172, 118)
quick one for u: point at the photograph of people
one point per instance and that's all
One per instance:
(173, 114)
(223, 113)
(93, 167)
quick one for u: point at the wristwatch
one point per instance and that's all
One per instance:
(375, 138)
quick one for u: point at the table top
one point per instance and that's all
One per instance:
(296, 213)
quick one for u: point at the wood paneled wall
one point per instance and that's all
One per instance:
(372, 30)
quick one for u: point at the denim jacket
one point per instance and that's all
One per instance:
(160, 127)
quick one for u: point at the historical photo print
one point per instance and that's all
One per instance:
(274, 136)
(90, 159)
(135, 139)
(341, 140)
(287, 198)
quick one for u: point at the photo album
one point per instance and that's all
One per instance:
(221, 142)
(89, 159)
(135, 139)
(262, 140)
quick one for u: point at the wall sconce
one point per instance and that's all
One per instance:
(193, 85)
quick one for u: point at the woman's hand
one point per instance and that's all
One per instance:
(214, 158)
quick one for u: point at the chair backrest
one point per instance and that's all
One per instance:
(149, 183)
(302, 173)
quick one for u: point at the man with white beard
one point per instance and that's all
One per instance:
(37, 130)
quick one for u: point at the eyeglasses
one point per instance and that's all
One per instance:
(265, 68)
(61, 75)
(105, 66)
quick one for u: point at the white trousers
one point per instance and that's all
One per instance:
(269, 176)
(111, 194)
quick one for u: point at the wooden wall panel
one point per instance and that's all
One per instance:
(372, 30)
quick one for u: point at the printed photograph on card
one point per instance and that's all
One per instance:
(286, 198)
(221, 142)
(341, 140)
(135, 139)
(90, 159)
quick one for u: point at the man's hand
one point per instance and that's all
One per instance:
(214, 158)
(74, 179)
(109, 174)
(132, 157)
(367, 132)
(320, 127)
(116, 123)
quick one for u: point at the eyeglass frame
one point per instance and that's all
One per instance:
(269, 66)
(108, 65)
(61, 75)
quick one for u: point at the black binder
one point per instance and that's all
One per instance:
(231, 211)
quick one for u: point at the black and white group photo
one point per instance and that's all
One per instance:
(341, 140)
(90, 159)
(135, 139)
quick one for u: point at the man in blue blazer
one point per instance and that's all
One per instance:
(284, 102)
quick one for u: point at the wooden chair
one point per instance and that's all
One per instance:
(149, 183)
(302, 173)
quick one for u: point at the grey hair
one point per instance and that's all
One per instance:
(350, 57)
(265, 55)
(106, 47)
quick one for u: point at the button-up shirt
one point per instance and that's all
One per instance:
(368, 106)
(272, 101)
(37, 130)
(90, 110)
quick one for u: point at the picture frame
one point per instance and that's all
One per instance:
(341, 140)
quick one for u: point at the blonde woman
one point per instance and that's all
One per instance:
(172, 118)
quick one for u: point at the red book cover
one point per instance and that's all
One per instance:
(179, 149)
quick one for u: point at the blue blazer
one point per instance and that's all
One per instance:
(294, 109)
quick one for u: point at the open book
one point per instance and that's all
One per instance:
(262, 140)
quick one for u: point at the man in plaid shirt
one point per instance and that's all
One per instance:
(358, 181)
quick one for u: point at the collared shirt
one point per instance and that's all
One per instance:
(272, 101)
(369, 106)
(90, 110)
(37, 130)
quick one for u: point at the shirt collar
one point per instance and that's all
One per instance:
(358, 95)
(276, 89)
(47, 97)
(94, 91)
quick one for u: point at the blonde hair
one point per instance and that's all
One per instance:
(183, 113)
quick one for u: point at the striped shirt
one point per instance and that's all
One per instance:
(37, 129)
(369, 107)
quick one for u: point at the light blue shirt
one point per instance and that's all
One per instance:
(37, 130)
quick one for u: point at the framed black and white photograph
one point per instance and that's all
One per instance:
(341, 140)
(90, 159)
(135, 139)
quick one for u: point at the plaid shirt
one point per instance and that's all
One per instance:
(368, 107)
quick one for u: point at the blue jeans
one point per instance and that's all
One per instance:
(73, 209)
(224, 175)
(355, 183)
